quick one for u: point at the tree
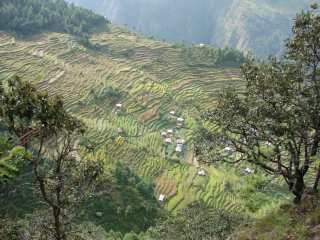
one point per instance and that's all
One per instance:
(53, 162)
(33, 16)
(275, 122)
(41, 123)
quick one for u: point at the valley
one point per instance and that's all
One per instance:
(141, 101)
(258, 27)
(168, 126)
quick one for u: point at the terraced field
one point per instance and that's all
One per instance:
(150, 79)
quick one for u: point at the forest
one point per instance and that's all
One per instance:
(27, 17)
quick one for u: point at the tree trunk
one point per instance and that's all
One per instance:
(316, 182)
(298, 187)
(59, 233)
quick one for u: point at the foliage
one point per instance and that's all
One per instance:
(286, 221)
(7, 168)
(110, 94)
(150, 85)
(10, 164)
(209, 56)
(32, 16)
(121, 203)
(275, 123)
(42, 123)
(195, 222)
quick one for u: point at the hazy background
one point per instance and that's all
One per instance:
(259, 26)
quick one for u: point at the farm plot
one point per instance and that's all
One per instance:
(149, 79)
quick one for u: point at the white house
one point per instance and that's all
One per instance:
(181, 120)
(119, 105)
(179, 125)
(229, 150)
(180, 141)
(179, 148)
(162, 197)
(201, 173)
(168, 140)
(248, 171)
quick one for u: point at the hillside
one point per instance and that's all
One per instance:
(123, 87)
(256, 26)
(286, 222)
(33, 16)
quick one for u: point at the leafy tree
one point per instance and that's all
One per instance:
(275, 123)
(42, 123)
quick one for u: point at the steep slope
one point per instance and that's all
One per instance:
(123, 87)
(151, 79)
(248, 25)
(286, 222)
(257, 26)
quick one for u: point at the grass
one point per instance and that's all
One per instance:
(286, 222)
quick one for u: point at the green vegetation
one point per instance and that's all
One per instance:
(64, 182)
(10, 162)
(137, 170)
(32, 16)
(287, 222)
(197, 221)
(205, 55)
(275, 123)
(149, 83)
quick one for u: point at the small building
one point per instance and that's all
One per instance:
(173, 113)
(181, 120)
(228, 149)
(162, 197)
(170, 131)
(180, 141)
(179, 148)
(120, 130)
(168, 140)
(99, 214)
(248, 171)
(201, 45)
(202, 172)
(119, 105)
(179, 125)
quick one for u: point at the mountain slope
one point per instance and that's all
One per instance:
(149, 79)
(248, 25)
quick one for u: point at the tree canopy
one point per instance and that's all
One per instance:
(32, 16)
(41, 124)
(275, 123)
